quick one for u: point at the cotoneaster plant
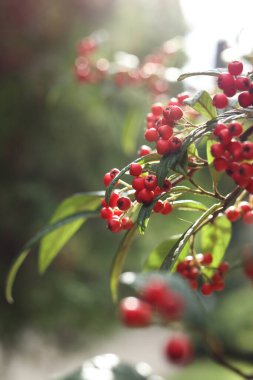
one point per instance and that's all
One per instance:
(184, 274)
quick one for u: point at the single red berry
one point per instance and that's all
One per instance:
(249, 187)
(165, 131)
(134, 312)
(145, 196)
(114, 224)
(114, 172)
(126, 223)
(223, 267)
(235, 150)
(144, 150)
(244, 206)
(158, 207)
(232, 168)
(181, 97)
(175, 144)
(154, 292)
(124, 203)
(106, 213)
(245, 99)
(163, 147)
(242, 83)
(167, 185)
(157, 109)
(138, 183)
(225, 137)
(232, 213)
(235, 128)
(220, 164)
(217, 150)
(107, 179)
(235, 67)
(248, 217)
(151, 135)
(135, 169)
(247, 150)
(226, 81)
(113, 199)
(171, 305)
(218, 286)
(207, 258)
(206, 289)
(176, 113)
(218, 128)
(220, 101)
(150, 182)
(179, 349)
(167, 208)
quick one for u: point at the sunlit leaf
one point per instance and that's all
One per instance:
(202, 103)
(215, 238)
(188, 205)
(119, 260)
(52, 243)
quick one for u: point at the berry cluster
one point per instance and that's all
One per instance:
(233, 155)
(143, 189)
(193, 269)
(160, 126)
(157, 299)
(231, 83)
(126, 70)
(242, 210)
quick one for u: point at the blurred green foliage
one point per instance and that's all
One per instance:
(58, 138)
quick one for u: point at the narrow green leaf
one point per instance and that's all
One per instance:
(54, 241)
(215, 238)
(153, 157)
(12, 274)
(170, 162)
(176, 250)
(214, 72)
(26, 249)
(202, 103)
(157, 255)
(119, 260)
(130, 131)
(189, 205)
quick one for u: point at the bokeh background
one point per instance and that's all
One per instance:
(59, 137)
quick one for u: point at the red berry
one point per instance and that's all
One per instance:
(220, 101)
(107, 179)
(217, 150)
(113, 199)
(167, 185)
(235, 128)
(206, 289)
(242, 83)
(220, 164)
(145, 196)
(151, 135)
(138, 183)
(235, 67)
(144, 150)
(126, 223)
(135, 169)
(223, 267)
(218, 128)
(114, 172)
(158, 207)
(114, 224)
(106, 213)
(134, 312)
(207, 258)
(248, 217)
(176, 112)
(167, 208)
(163, 147)
(226, 81)
(124, 203)
(157, 109)
(154, 292)
(171, 305)
(179, 349)
(165, 131)
(247, 150)
(175, 144)
(150, 182)
(232, 213)
(244, 206)
(245, 99)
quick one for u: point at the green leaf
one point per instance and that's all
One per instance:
(174, 161)
(188, 205)
(152, 157)
(202, 103)
(130, 131)
(214, 72)
(12, 274)
(55, 240)
(176, 250)
(27, 248)
(119, 260)
(158, 254)
(215, 238)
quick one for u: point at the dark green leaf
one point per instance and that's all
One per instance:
(153, 157)
(52, 243)
(214, 72)
(202, 103)
(176, 250)
(119, 260)
(215, 238)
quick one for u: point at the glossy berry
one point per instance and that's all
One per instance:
(220, 101)
(106, 213)
(235, 67)
(114, 224)
(124, 203)
(245, 99)
(206, 289)
(242, 83)
(134, 312)
(179, 350)
(167, 208)
(165, 131)
(157, 109)
(232, 213)
(154, 292)
(144, 150)
(135, 169)
(151, 135)
(150, 182)
(235, 128)
(138, 183)
(226, 81)
(248, 217)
